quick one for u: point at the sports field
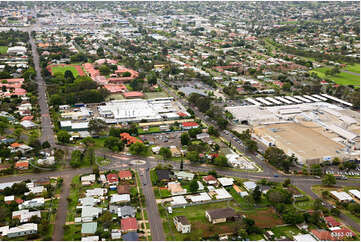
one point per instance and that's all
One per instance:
(342, 78)
(353, 68)
(3, 50)
(75, 69)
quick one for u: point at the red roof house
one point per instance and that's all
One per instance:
(129, 139)
(129, 224)
(125, 175)
(22, 165)
(133, 94)
(322, 234)
(332, 222)
(210, 179)
(112, 178)
(189, 125)
(29, 118)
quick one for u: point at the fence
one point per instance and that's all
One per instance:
(202, 202)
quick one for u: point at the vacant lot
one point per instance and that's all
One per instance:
(265, 218)
(3, 50)
(342, 78)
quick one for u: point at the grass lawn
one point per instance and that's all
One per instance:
(353, 68)
(342, 78)
(72, 232)
(265, 218)
(201, 227)
(150, 130)
(288, 231)
(150, 95)
(115, 97)
(3, 50)
(255, 237)
(63, 69)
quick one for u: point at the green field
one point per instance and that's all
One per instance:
(62, 69)
(3, 50)
(353, 68)
(342, 78)
(150, 95)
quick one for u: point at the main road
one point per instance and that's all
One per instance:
(47, 133)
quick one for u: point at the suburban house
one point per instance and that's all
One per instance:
(130, 236)
(22, 165)
(88, 201)
(249, 185)
(175, 188)
(225, 181)
(88, 213)
(21, 230)
(129, 139)
(183, 175)
(163, 175)
(24, 215)
(129, 224)
(221, 215)
(117, 198)
(182, 224)
(88, 180)
(96, 192)
(33, 203)
(123, 189)
(89, 228)
(125, 175)
(211, 180)
(341, 196)
(123, 211)
(112, 178)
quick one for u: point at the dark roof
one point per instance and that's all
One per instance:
(163, 174)
(182, 219)
(222, 213)
(123, 189)
(130, 236)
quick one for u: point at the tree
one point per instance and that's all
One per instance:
(114, 144)
(89, 156)
(213, 131)
(278, 158)
(97, 125)
(193, 156)
(63, 137)
(76, 158)
(221, 160)
(68, 75)
(46, 145)
(277, 195)
(138, 149)
(251, 145)
(106, 219)
(185, 140)
(152, 78)
(165, 152)
(193, 132)
(181, 164)
(100, 51)
(329, 180)
(257, 194)
(287, 182)
(104, 70)
(193, 186)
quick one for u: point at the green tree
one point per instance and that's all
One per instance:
(76, 158)
(104, 70)
(68, 75)
(138, 149)
(97, 125)
(257, 194)
(193, 156)
(185, 140)
(100, 51)
(221, 160)
(114, 144)
(165, 152)
(63, 137)
(213, 131)
(329, 180)
(287, 182)
(193, 132)
(193, 186)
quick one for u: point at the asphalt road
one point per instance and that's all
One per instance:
(47, 133)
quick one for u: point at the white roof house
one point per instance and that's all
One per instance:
(90, 238)
(355, 193)
(226, 181)
(249, 185)
(117, 198)
(33, 203)
(222, 193)
(88, 179)
(183, 175)
(243, 194)
(24, 215)
(200, 197)
(304, 237)
(88, 213)
(88, 201)
(96, 192)
(21, 230)
(35, 190)
(9, 198)
(341, 196)
(178, 200)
